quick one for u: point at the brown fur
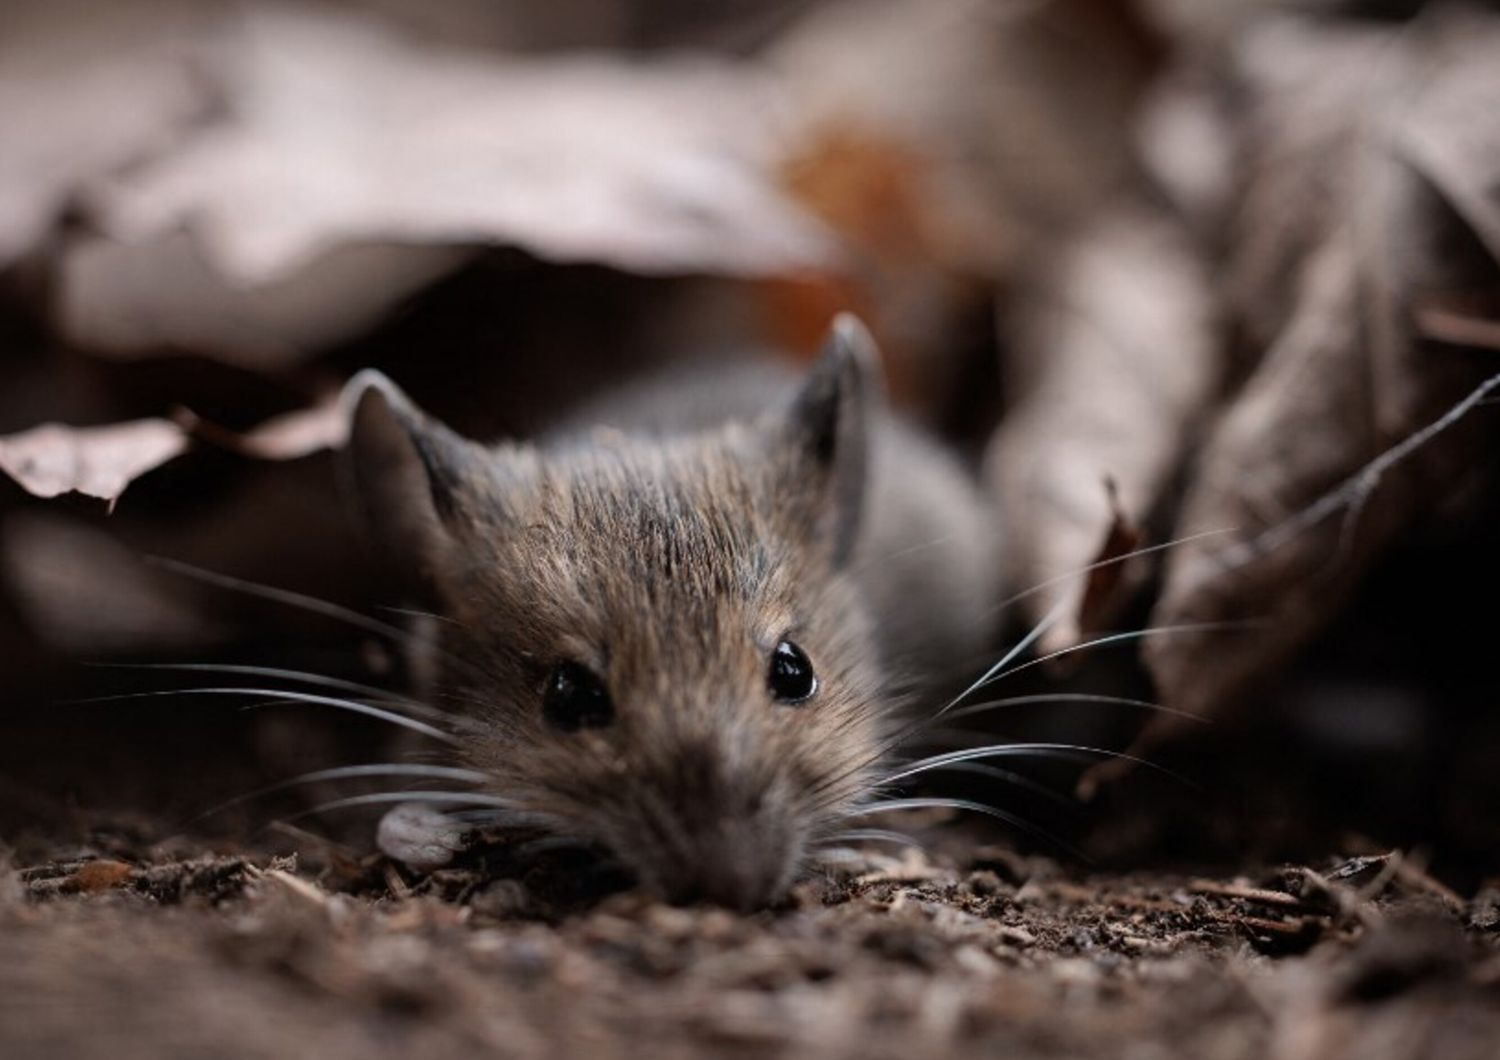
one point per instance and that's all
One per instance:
(671, 564)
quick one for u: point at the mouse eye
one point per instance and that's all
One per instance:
(791, 677)
(575, 698)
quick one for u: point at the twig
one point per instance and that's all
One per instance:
(1355, 491)
(1249, 894)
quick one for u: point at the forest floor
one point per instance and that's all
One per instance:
(124, 948)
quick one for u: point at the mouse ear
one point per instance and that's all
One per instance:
(828, 428)
(407, 468)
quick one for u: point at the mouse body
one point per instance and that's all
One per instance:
(686, 624)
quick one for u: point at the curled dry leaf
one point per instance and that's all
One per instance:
(941, 140)
(1341, 238)
(1109, 572)
(53, 459)
(101, 462)
(659, 167)
(126, 299)
(1115, 355)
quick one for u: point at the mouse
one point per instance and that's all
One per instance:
(685, 624)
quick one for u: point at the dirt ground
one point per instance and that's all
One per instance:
(125, 948)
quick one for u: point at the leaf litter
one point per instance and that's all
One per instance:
(1220, 295)
(962, 952)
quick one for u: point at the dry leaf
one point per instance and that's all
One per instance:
(1340, 240)
(943, 140)
(101, 462)
(85, 89)
(660, 167)
(53, 459)
(139, 299)
(1114, 357)
(102, 875)
(1109, 571)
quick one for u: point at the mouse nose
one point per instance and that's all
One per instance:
(742, 864)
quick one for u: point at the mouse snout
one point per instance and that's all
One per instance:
(732, 845)
(741, 863)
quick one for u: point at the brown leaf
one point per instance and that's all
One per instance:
(1460, 329)
(101, 462)
(1115, 356)
(660, 167)
(1339, 238)
(84, 90)
(1108, 574)
(134, 299)
(102, 875)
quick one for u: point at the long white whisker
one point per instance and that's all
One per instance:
(376, 769)
(380, 695)
(1048, 620)
(1007, 750)
(286, 696)
(436, 798)
(326, 608)
(1110, 562)
(312, 604)
(1071, 697)
(894, 805)
(1006, 776)
(906, 731)
(1113, 638)
(303, 676)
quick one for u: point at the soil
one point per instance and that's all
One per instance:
(125, 947)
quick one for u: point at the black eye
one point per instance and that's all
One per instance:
(791, 677)
(575, 698)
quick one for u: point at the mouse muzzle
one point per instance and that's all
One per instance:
(709, 841)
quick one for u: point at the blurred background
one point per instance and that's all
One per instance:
(1166, 272)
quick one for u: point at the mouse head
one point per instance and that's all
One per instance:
(657, 641)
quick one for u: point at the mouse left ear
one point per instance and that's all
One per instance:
(408, 469)
(827, 426)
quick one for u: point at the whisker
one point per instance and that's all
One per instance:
(415, 706)
(434, 798)
(312, 604)
(968, 805)
(287, 696)
(874, 835)
(1048, 620)
(303, 676)
(326, 608)
(416, 612)
(1110, 562)
(905, 732)
(1072, 697)
(1113, 638)
(901, 553)
(1006, 750)
(375, 769)
(1018, 780)
(998, 672)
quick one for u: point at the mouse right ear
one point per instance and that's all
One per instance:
(828, 427)
(408, 469)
